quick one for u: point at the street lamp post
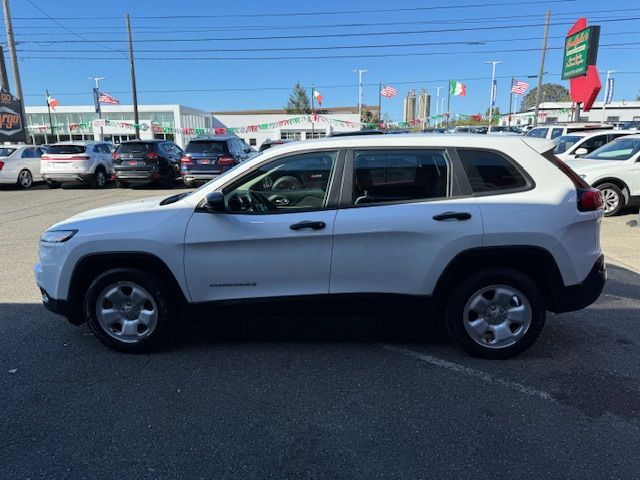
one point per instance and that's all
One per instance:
(360, 72)
(438, 101)
(96, 94)
(492, 97)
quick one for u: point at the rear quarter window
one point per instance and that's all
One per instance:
(490, 172)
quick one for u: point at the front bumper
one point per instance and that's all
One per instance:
(576, 297)
(60, 307)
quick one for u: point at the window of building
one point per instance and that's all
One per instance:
(399, 175)
(316, 134)
(584, 119)
(290, 135)
(253, 142)
(490, 172)
(613, 119)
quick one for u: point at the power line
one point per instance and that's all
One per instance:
(329, 35)
(334, 47)
(321, 57)
(67, 29)
(307, 14)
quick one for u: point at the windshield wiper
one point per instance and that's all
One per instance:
(174, 198)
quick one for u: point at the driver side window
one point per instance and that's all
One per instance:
(298, 182)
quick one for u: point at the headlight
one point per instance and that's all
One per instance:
(57, 236)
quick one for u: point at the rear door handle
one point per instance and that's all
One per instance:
(306, 224)
(452, 216)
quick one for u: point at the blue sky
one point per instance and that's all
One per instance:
(205, 29)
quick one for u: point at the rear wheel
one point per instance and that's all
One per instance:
(25, 178)
(129, 310)
(52, 183)
(99, 178)
(612, 197)
(495, 313)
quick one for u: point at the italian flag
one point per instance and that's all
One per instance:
(457, 88)
(317, 96)
(53, 103)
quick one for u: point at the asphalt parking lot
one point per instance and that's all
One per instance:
(306, 397)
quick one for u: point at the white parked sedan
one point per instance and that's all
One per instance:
(20, 164)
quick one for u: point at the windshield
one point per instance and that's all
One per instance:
(622, 149)
(219, 146)
(565, 142)
(66, 149)
(135, 147)
(5, 152)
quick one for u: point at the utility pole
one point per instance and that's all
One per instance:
(136, 117)
(360, 72)
(96, 99)
(11, 44)
(541, 71)
(492, 96)
(4, 80)
(511, 101)
(313, 130)
(607, 93)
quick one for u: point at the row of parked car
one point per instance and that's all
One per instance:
(97, 162)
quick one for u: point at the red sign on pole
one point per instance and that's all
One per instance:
(585, 88)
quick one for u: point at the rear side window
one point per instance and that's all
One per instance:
(556, 132)
(489, 172)
(399, 175)
(5, 152)
(66, 149)
(136, 147)
(538, 133)
(218, 146)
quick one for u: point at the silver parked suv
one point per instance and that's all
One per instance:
(88, 162)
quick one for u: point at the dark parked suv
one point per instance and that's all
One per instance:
(207, 157)
(146, 161)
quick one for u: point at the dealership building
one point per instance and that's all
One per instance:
(561, 112)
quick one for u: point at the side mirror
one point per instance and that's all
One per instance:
(580, 151)
(215, 202)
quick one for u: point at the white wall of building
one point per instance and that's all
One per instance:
(298, 131)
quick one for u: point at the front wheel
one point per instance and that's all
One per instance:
(25, 179)
(612, 197)
(128, 310)
(495, 313)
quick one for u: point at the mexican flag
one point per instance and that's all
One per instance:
(317, 96)
(457, 88)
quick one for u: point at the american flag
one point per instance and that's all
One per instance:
(519, 87)
(388, 92)
(106, 98)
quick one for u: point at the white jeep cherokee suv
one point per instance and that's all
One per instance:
(488, 233)
(614, 169)
(85, 162)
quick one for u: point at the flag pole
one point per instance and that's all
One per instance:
(313, 131)
(379, 104)
(511, 102)
(49, 110)
(448, 102)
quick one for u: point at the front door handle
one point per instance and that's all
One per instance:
(307, 224)
(452, 216)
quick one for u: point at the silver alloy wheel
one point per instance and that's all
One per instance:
(25, 179)
(611, 199)
(126, 312)
(497, 316)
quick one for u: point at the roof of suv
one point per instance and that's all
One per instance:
(79, 142)
(213, 137)
(588, 133)
(423, 140)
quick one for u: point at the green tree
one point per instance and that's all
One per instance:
(368, 116)
(551, 92)
(638, 97)
(298, 101)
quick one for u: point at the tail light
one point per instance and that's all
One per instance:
(115, 156)
(1, 165)
(186, 160)
(225, 161)
(589, 199)
(152, 156)
(45, 157)
(78, 157)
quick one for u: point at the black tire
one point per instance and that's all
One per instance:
(122, 184)
(25, 178)
(613, 198)
(162, 303)
(99, 179)
(52, 184)
(528, 296)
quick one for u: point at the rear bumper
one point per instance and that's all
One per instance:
(576, 297)
(68, 177)
(199, 176)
